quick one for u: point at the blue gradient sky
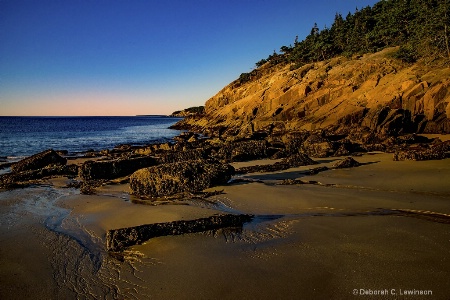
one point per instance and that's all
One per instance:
(97, 57)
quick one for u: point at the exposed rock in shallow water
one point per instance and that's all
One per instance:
(119, 239)
(110, 169)
(348, 162)
(39, 161)
(173, 178)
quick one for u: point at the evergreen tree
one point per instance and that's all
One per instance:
(420, 27)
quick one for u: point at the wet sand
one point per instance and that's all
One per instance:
(308, 241)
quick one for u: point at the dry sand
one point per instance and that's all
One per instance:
(307, 241)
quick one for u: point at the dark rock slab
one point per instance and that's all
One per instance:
(293, 141)
(412, 139)
(110, 169)
(39, 161)
(244, 150)
(317, 146)
(177, 156)
(119, 239)
(441, 146)
(262, 168)
(298, 160)
(172, 178)
(348, 162)
(315, 171)
(293, 161)
(20, 179)
(419, 155)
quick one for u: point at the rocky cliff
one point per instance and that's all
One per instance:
(374, 91)
(191, 111)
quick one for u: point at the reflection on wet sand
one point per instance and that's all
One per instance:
(378, 226)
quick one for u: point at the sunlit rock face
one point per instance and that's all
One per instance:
(374, 91)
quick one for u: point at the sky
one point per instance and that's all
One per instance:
(131, 57)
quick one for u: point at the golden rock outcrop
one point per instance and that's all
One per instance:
(374, 91)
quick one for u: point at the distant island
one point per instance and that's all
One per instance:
(191, 111)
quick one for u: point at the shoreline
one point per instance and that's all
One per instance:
(375, 226)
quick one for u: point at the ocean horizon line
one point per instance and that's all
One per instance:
(89, 116)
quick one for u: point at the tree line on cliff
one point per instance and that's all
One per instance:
(419, 27)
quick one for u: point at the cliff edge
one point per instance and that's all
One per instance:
(375, 91)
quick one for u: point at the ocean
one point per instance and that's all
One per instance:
(25, 136)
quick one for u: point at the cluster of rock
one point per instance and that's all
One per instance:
(119, 239)
(193, 163)
(42, 165)
(24, 178)
(424, 152)
(419, 155)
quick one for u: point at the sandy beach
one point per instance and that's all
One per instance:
(225, 150)
(339, 238)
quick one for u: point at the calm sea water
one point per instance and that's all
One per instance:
(24, 136)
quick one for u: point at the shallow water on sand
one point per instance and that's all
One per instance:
(362, 230)
(80, 267)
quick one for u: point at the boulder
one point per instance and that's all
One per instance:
(119, 239)
(244, 150)
(298, 160)
(110, 169)
(39, 161)
(172, 178)
(317, 146)
(348, 162)
(342, 151)
(294, 140)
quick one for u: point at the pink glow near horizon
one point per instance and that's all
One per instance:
(89, 104)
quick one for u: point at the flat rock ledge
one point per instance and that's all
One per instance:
(39, 161)
(25, 178)
(110, 169)
(293, 161)
(119, 239)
